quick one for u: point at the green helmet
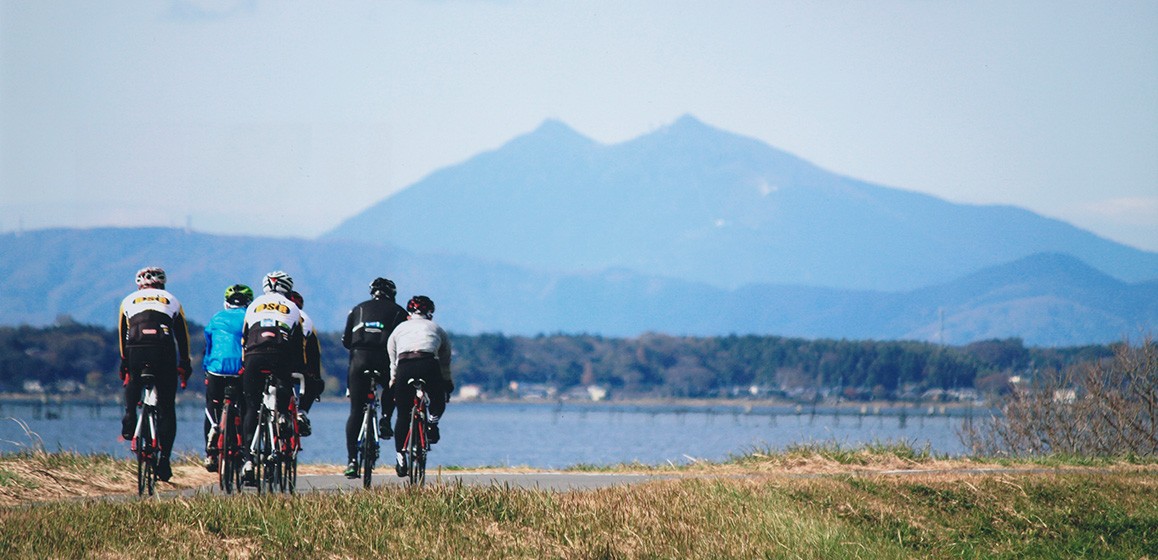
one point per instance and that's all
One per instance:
(239, 295)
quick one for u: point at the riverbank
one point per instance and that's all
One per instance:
(807, 503)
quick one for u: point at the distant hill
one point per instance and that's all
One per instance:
(1047, 299)
(699, 204)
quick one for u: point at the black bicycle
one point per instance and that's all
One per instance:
(276, 443)
(368, 447)
(145, 445)
(227, 439)
(417, 443)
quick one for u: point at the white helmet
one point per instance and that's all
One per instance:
(151, 277)
(277, 281)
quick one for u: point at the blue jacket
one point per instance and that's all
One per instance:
(223, 342)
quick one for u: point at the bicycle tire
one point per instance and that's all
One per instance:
(226, 464)
(260, 468)
(147, 455)
(415, 458)
(290, 476)
(285, 456)
(271, 466)
(369, 441)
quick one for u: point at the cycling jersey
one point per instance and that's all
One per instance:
(419, 335)
(313, 366)
(223, 336)
(369, 324)
(273, 325)
(152, 317)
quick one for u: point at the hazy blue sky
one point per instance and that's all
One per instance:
(286, 117)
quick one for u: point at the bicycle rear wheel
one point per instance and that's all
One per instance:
(146, 458)
(227, 475)
(289, 475)
(261, 458)
(369, 448)
(415, 450)
(286, 446)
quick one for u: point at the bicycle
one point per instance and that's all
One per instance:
(226, 436)
(145, 444)
(276, 442)
(417, 444)
(368, 434)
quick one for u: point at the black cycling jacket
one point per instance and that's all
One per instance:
(369, 324)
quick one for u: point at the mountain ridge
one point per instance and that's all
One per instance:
(1047, 300)
(694, 202)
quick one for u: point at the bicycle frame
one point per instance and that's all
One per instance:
(417, 445)
(368, 434)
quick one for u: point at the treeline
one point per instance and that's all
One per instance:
(74, 357)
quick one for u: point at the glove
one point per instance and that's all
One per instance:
(124, 373)
(183, 372)
(449, 390)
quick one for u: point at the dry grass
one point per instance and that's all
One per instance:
(818, 502)
(38, 476)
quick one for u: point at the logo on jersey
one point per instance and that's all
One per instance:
(157, 298)
(272, 306)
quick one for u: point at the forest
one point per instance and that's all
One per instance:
(75, 358)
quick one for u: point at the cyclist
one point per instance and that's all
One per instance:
(274, 345)
(222, 360)
(419, 349)
(314, 384)
(152, 333)
(368, 328)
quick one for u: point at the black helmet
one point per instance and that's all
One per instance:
(239, 295)
(420, 305)
(297, 298)
(383, 287)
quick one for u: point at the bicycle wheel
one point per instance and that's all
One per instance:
(369, 447)
(290, 475)
(272, 466)
(146, 457)
(226, 468)
(262, 454)
(415, 453)
(286, 456)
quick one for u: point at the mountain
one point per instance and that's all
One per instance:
(1045, 299)
(692, 202)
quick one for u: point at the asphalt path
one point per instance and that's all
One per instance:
(547, 480)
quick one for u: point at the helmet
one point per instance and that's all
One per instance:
(239, 295)
(420, 305)
(277, 281)
(297, 299)
(383, 287)
(151, 277)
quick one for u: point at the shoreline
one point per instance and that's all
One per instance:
(774, 407)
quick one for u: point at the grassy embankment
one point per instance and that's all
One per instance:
(807, 502)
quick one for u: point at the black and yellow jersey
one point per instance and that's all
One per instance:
(153, 317)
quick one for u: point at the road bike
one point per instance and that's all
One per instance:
(368, 434)
(276, 442)
(417, 443)
(225, 439)
(146, 445)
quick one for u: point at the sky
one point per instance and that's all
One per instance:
(263, 117)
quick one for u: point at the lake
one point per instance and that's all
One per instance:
(539, 435)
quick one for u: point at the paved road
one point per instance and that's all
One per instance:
(559, 481)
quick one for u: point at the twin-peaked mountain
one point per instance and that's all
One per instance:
(695, 203)
(687, 230)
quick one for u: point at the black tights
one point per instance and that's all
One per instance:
(429, 371)
(163, 365)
